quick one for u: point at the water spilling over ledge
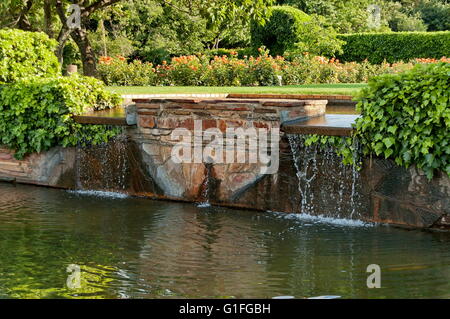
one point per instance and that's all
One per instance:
(309, 181)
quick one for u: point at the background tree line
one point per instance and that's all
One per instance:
(154, 30)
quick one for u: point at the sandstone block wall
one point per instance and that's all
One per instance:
(52, 168)
(140, 163)
(157, 118)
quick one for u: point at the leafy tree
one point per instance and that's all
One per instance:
(80, 34)
(39, 15)
(222, 16)
(290, 29)
(435, 13)
(352, 15)
(159, 31)
(403, 22)
(345, 16)
(174, 27)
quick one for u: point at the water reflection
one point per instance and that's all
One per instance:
(148, 249)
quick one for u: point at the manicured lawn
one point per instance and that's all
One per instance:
(333, 89)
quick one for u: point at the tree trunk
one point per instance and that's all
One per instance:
(63, 36)
(102, 26)
(48, 18)
(87, 53)
(22, 22)
(217, 41)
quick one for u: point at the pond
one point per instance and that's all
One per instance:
(139, 248)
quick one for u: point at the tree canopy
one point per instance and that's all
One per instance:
(154, 30)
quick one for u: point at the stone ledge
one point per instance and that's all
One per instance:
(331, 125)
(225, 103)
(291, 96)
(181, 112)
(99, 120)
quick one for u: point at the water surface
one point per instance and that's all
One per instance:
(138, 248)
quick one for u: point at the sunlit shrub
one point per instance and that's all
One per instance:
(26, 54)
(263, 70)
(186, 70)
(225, 71)
(117, 71)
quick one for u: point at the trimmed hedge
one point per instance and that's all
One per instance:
(394, 46)
(26, 54)
(282, 31)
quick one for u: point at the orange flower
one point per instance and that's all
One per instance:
(105, 60)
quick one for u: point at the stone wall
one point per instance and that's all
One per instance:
(307, 181)
(406, 196)
(54, 168)
(156, 120)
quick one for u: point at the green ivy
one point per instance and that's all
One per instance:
(345, 147)
(37, 113)
(405, 117)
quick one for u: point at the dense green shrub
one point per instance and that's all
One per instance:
(225, 71)
(406, 117)
(117, 71)
(435, 14)
(394, 46)
(314, 69)
(186, 70)
(282, 31)
(24, 54)
(36, 113)
(401, 22)
(263, 70)
(291, 30)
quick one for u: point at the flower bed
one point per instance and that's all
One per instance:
(229, 70)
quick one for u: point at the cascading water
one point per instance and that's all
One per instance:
(327, 187)
(103, 167)
(205, 191)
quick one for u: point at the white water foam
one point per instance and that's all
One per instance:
(320, 219)
(113, 195)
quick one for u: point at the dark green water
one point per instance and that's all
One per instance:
(137, 248)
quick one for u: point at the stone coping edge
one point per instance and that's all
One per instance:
(243, 95)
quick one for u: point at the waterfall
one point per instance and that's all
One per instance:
(205, 189)
(326, 186)
(103, 167)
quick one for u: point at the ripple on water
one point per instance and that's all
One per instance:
(152, 249)
(321, 219)
(113, 195)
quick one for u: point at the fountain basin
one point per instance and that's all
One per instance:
(140, 163)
